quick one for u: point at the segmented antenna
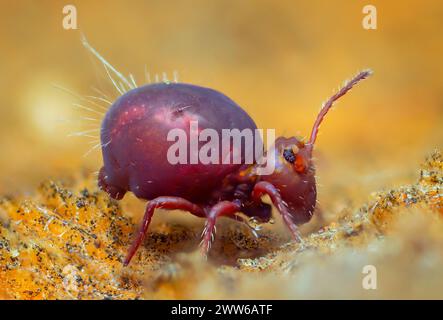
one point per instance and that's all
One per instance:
(328, 104)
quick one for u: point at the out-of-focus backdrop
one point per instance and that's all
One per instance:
(277, 59)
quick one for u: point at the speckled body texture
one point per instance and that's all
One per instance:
(137, 126)
(134, 136)
(135, 146)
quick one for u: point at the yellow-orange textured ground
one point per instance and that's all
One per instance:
(68, 243)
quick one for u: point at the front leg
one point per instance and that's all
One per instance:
(264, 187)
(170, 203)
(224, 208)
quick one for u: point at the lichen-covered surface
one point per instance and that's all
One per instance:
(68, 242)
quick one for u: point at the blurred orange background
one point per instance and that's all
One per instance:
(277, 59)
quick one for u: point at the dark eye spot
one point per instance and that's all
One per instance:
(289, 155)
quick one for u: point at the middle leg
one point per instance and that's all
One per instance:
(224, 208)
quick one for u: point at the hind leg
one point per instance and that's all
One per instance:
(224, 208)
(170, 203)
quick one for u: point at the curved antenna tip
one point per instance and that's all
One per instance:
(328, 104)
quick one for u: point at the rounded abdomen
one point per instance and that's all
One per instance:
(135, 142)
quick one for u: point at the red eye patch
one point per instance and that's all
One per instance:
(300, 164)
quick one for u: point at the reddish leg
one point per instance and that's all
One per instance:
(264, 187)
(170, 203)
(223, 208)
